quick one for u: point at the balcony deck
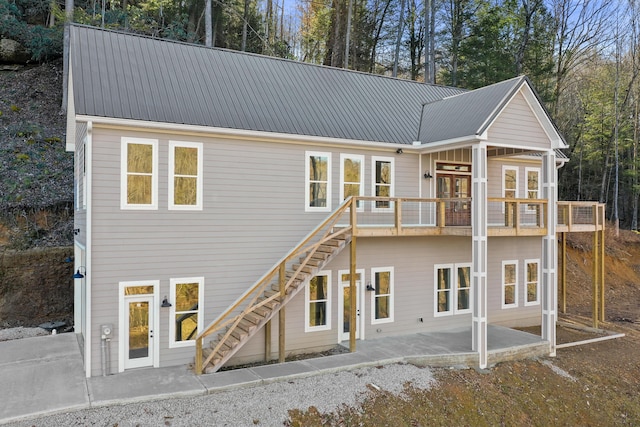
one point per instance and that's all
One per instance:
(396, 216)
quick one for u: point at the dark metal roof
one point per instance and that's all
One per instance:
(466, 114)
(134, 77)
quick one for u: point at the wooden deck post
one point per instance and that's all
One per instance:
(267, 341)
(596, 276)
(281, 315)
(198, 364)
(602, 264)
(563, 273)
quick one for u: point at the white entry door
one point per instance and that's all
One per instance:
(344, 309)
(139, 333)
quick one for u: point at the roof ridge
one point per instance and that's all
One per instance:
(521, 77)
(258, 55)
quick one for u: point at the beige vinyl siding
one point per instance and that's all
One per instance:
(494, 175)
(253, 214)
(518, 249)
(518, 126)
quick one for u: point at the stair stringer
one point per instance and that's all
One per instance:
(302, 278)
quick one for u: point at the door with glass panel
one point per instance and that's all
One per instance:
(345, 307)
(455, 187)
(139, 333)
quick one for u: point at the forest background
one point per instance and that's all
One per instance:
(581, 55)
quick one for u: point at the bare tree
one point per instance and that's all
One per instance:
(583, 29)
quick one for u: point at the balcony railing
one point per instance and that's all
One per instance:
(580, 216)
(403, 216)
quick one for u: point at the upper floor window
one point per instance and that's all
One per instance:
(139, 173)
(318, 182)
(185, 175)
(533, 183)
(351, 176)
(383, 295)
(509, 284)
(318, 307)
(382, 185)
(186, 312)
(509, 182)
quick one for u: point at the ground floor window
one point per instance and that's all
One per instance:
(509, 284)
(532, 281)
(452, 289)
(382, 310)
(187, 295)
(318, 303)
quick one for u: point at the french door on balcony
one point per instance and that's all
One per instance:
(450, 186)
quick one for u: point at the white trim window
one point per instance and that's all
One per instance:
(509, 284)
(382, 296)
(463, 289)
(509, 182)
(532, 177)
(533, 182)
(382, 182)
(443, 279)
(139, 173)
(317, 182)
(352, 177)
(532, 282)
(452, 289)
(186, 313)
(318, 303)
(185, 175)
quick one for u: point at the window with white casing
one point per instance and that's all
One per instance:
(532, 281)
(452, 289)
(186, 318)
(509, 284)
(382, 295)
(351, 176)
(185, 175)
(318, 303)
(317, 182)
(139, 173)
(532, 176)
(509, 182)
(382, 185)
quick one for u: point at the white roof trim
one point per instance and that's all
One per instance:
(240, 133)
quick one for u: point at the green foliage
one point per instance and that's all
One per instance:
(43, 43)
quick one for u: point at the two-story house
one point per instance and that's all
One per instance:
(231, 204)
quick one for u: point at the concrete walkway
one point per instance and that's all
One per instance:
(44, 375)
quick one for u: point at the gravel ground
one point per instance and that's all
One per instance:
(21, 332)
(266, 405)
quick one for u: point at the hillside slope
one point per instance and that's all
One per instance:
(36, 179)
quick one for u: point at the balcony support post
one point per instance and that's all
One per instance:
(479, 253)
(549, 252)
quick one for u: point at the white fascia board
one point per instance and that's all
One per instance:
(173, 128)
(70, 140)
(449, 144)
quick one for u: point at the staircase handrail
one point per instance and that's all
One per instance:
(258, 287)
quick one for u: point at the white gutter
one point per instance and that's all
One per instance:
(135, 125)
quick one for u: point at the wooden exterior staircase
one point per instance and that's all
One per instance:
(258, 305)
